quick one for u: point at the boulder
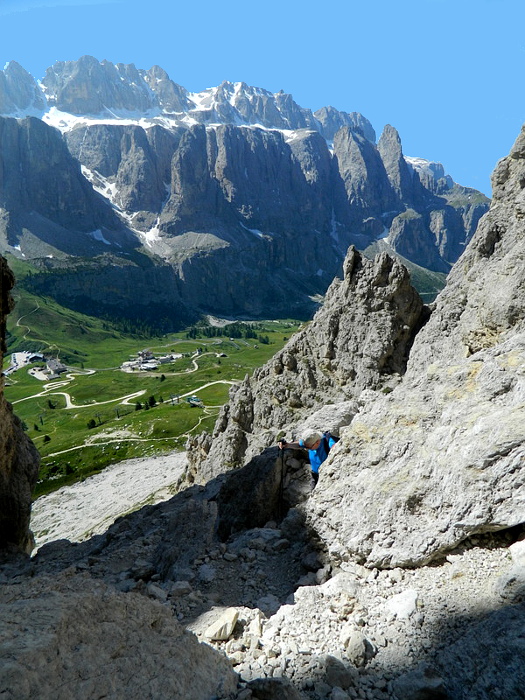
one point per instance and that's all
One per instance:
(222, 628)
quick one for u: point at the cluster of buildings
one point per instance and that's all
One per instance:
(52, 369)
(146, 360)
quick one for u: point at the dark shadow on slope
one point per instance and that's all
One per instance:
(261, 491)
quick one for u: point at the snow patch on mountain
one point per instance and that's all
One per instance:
(102, 185)
(99, 236)
(255, 232)
(431, 168)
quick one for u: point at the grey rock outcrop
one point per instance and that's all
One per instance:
(406, 186)
(19, 91)
(19, 459)
(363, 172)
(410, 237)
(445, 449)
(358, 340)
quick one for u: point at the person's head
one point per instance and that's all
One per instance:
(311, 438)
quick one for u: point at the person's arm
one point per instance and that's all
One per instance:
(283, 445)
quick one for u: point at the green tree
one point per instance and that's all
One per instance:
(92, 424)
(152, 401)
(138, 406)
(47, 438)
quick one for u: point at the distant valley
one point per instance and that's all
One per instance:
(90, 394)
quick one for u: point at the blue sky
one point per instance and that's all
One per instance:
(448, 74)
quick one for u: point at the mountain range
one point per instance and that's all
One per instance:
(131, 196)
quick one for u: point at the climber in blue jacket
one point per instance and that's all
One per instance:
(318, 445)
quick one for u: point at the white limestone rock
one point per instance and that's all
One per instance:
(222, 628)
(517, 551)
(403, 605)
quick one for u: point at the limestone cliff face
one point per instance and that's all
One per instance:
(359, 339)
(19, 460)
(40, 176)
(137, 161)
(442, 456)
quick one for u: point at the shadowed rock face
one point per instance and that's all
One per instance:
(40, 178)
(19, 459)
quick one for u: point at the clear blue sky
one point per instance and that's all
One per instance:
(448, 74)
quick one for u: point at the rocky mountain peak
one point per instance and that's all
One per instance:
(365, 178)
(172, 98)
(87, 87)
(431, 174)
(19, 91)
(332, 120)
(397, 169)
